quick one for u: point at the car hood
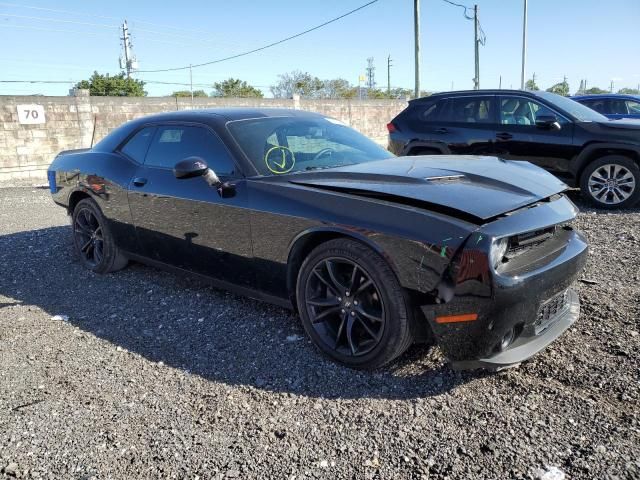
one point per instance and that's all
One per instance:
(625, 124)
(480, 187)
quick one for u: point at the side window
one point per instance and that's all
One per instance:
(136, 147)
(471, 110)
(634, 107)
(618, 107)
(431, 112)
(597, 105)
(173, 143)
(521, 111)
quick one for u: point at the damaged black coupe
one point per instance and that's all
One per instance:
(373, 251)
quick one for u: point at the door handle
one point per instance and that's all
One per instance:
(139, 182)
(504, 136)
(441, 130)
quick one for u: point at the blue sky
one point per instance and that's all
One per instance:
(589, 39)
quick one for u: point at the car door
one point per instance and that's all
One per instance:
(185, 222)
(468, 124)
(518, 137)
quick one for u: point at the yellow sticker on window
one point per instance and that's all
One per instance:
(279, 160)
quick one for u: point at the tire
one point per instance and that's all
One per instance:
(622, 194)
(424, 151)
(366, 328)
(92, 239)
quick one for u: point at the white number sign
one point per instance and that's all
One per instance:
(31, 114)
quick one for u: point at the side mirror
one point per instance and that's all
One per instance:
(196, 167)
(190, 167)
(547, 122)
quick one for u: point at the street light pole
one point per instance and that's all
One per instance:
(416, 29)
(524, 46)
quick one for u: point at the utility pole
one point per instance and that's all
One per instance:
(524, 46)
(371, 75)
(389, 75)
(416, 31)
(500, 83)
(611, 87)
(130, 63)
(476, 47)
(191, 83)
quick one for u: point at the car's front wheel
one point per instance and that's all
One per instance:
(611, 182)
(352, 306)
(93, 241)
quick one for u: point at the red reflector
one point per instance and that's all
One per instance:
(467, 317)
(391, 127)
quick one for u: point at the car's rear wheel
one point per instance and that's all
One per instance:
(611, 182)
(352, 305)
(93, 241)
(424, 151)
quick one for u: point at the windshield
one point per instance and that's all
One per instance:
(575, 109)
(279, 145)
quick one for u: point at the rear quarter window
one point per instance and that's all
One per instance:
(136, 147)
(430, 112)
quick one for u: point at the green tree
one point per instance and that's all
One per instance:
(187, 93)
(561, 88)
(337, 88)
(234, 87)
(595, 91)
(112, 86)
(531, 85)
(297, 82)
(629, 91)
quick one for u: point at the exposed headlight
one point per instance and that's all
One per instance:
(498, 249)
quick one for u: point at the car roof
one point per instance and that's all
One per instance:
(229, 113)
(595, 96)
(464, 93)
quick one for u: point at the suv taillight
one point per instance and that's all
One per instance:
(391, 127)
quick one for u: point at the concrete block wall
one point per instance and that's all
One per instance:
(71, 122)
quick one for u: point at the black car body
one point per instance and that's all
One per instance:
(479, 251)
(575, 143)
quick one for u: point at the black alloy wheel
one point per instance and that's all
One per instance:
(88, 237)
(345, 306)
(352, 305)
(93, 241)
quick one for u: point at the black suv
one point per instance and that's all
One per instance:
(575, 143)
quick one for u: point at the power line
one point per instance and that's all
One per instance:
(92, 15)
(483, 36)
(59, 20)
(263, 47)
(45, 29)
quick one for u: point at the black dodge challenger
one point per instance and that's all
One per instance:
(373, 251)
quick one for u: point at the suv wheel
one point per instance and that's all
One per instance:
(611, 182)
(352, 305)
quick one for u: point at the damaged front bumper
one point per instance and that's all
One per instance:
(527, 346)
(517, 310)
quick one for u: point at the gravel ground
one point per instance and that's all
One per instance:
(141, 374)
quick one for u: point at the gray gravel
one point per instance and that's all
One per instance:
(141, 374)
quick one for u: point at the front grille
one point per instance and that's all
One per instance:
(525, 241)
(550, 311)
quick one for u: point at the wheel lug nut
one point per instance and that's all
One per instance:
(339, 299)
(347, 293)
(343, 310)
(353, 314)
(355, 302)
